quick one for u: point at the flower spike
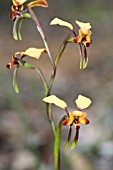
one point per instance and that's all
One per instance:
(84, 34)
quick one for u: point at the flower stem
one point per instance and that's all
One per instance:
(48, 105)
(39, 28)
(59, 54)
(45, 86)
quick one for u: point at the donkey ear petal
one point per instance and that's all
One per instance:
(83, 102)
(55, 100)
(57, 21)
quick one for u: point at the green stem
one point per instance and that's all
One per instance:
(59, 54)
(39, 28)
(50, 117)
(57, 146)
(48, 106)
(45, 86)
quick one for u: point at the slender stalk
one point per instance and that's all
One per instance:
(48, 106)
(41, 32)
(57, 139)
(50, 118)
(59, 54)
(45, 86)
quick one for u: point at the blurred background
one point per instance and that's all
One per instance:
(26, 141)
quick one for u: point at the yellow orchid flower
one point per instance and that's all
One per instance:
(84, 34)
(18, 6)
(31, 52)
(75, 118)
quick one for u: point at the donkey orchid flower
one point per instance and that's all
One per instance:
(84, 34)
(75, 118)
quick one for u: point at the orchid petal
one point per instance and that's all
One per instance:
(83, 25)
(55, 100)
(74, 143)
(57, 21)
(68, 121)
(83, 120)
(77, 113)
(33, 52)
(41, 3)
(83, 102)
(18, 2)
